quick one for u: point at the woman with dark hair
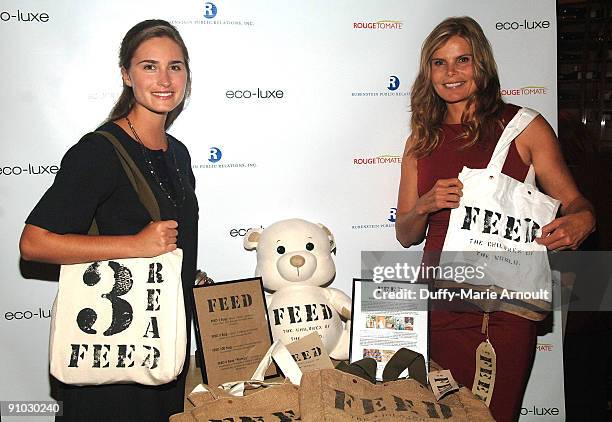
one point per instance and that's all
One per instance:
(457, 117)
(92, 184)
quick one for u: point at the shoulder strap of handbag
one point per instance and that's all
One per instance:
(406, 359)
(513, 129)
(137, 180)
(364, 368)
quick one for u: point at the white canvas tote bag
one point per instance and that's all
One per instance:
(119, 321)
(497, 220)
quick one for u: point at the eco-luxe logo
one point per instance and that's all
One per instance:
(255, 94)
(522, 25)
(540, 411)
(28, 170)
(525, 90)
(242, 231)
(21, 16)
(27, 314)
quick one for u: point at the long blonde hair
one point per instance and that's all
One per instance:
(428, 109)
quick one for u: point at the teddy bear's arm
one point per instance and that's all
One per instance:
(340, 301)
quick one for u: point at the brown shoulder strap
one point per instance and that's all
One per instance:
(402, 359)
(364, 368)
(137, 180)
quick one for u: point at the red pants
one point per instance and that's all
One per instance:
(455, 337)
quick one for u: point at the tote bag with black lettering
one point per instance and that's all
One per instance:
(352, 396)
(120, 320)
(494, 228)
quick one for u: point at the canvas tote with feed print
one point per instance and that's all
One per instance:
(120, 320)
(493, 232)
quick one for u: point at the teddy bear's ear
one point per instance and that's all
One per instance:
(251, 238)
(330, 236)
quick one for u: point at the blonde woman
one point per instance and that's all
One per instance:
(457, 117)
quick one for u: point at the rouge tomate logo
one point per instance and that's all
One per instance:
(381, 159)
(525, 90)
(544, 347)
(381, 24)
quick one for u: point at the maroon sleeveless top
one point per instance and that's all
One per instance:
(447, 160)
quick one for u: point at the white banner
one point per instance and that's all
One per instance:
(545, 390)
(299, 110)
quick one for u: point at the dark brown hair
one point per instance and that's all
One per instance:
(141, 32)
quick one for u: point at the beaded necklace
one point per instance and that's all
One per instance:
(149, 162)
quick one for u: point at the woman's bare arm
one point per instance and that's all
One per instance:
(38, 244)
(578, 214)
(412, 210)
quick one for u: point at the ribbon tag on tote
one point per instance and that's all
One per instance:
(442, 383)
(484, 378)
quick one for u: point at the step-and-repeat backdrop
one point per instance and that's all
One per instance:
(299, 109)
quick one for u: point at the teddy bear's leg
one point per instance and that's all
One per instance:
(341, 351)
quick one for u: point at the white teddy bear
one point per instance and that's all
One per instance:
(294, 260)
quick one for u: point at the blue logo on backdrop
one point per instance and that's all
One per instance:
(392, 86)
(210, 10)
(378, 225)
(394, 83)
(214, 154)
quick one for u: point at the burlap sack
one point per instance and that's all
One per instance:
(278, 403)
(332, 395)
(199, 398)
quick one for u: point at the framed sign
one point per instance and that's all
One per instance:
(386, 317)
(232, 330)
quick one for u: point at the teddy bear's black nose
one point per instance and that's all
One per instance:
(297, 261)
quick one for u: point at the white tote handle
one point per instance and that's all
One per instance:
(530, 179)
(514, 128)
(278, 351)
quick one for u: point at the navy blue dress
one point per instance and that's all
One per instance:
(91, 183)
